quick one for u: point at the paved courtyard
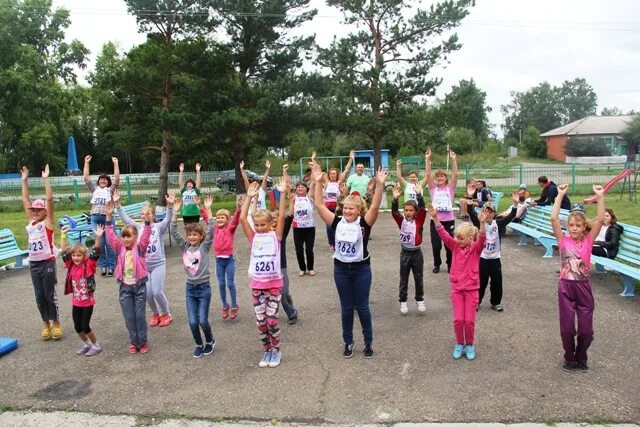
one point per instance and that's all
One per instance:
(412, 378)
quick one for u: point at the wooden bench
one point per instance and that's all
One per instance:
(627, 261)
(9, 248)
(536, 223)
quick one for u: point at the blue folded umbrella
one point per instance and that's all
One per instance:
(7, 345)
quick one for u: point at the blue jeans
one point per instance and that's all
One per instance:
(226, 271)
(198, 301)
(107, 255)
(331, 233)
(353, 282)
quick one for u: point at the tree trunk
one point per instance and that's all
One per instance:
(165, 153)
(377, 154)
(238, 155)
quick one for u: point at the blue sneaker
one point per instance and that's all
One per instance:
(471, 352)
(197, 352)
(275, 358)
(457, 351)
(266, 359)
(208, 348)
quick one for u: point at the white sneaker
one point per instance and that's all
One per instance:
(421, 306)
(403, 308)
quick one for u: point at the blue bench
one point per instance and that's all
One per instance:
(79, 227)
(537, 225)
(9, 248)
(627, 262)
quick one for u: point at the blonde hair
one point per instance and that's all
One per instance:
(581, 216)
(466, 229)
(129, 230)
(79, 248)
(443, 173)
(357, 200)
(224, 212)
(263, 214)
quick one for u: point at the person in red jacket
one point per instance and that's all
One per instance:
(411, 224)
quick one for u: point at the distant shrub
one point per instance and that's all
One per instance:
(587, 147)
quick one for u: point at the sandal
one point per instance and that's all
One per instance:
(45, 333)
(56, 332)
(301, 274)
(312, 273)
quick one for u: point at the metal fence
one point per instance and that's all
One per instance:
(71, 190)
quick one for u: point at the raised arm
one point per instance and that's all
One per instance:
(347, 168)
(48, 195)
(173, 228)
(252, 191)
(427, 181)
(597, 224)
(26, 204)
(64, 244)
(282, 187)
(121, 212)
(372, 214)
(181, 176)
(399, 173)
(86, 174)
(326, 215)
(116, 171)
(198, 176)
(555, 212)
(267, 169)
(244, 176)
(454, 170)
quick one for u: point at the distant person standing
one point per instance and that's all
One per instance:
(190, 191)
(359, 181)
(549, 194)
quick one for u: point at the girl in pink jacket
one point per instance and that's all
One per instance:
(466, 247)
(131, 274)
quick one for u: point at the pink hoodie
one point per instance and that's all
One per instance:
(139, 261)
(223, 236)
(465, 263)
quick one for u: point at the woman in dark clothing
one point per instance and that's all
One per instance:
(608, 241)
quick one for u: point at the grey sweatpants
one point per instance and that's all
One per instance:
(43, 277)
(132, 303)
(156, 298)
(287, 301)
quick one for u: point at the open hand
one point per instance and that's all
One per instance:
(170, 198)
(181, 167)
(267, 164)
(208, 201)
(427, 154)
(24, 172)
(241, 164)
(99, 230)
(417, 188)
(177, 204)
(252, 191)
(396, 191)
(109, 208)
(197, 167)
(352, 154)
(116, 197)
(482, 216)
(431, 210)
(282, 185)
(316, 171)
(381, 175)
(452, 154)
(45, 172)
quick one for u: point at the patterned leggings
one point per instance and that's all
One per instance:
(266, 303)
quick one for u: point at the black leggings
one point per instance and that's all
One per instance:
(81, 318)
(188, 219)
(303, 239)
(599, 251)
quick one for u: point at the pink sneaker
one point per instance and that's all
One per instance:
(132, 349)
(224, 313)
(165, 320)
(155, 320)
(234, 312)
(144, 348)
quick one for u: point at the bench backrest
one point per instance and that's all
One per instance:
(629, 250)
(80, 220)
(133, 210)
(8, 242)
(539, 218)
(495, 198)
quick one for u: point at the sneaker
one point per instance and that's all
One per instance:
(165, 320)
(234, 312)
(208, 348)
(144, 348)
(368, 351)
(110, 272)
(312, 273)
(132, 348)
(457, 351)
(421, 306)
(436, 269)
(497, 308)
(569, 366)
(471, 352)
(224, 313)
(45, 333)
(197, 352)
(81, 351)
(155, 320)
(301, 274)
(93, 351)
(103, 272)
(276, 356)
(266, 359)
(348, 351)
(582, 367)
(403, 308)
(294, 317)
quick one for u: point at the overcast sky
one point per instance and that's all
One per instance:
(507, 45)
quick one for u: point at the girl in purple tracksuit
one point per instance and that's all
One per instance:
(575, 299)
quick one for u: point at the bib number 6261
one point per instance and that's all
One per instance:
(262, 266)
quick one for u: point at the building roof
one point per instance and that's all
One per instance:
(593, 125)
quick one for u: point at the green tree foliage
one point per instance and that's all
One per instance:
(384, 64)
(632, 131)
(533, 144)
(611, 111)
(547, 107)
(465, 106)
(584, 147)
(461, 140)
(36, 65)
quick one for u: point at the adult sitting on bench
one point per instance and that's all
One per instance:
(608, 240)
(549, 194)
